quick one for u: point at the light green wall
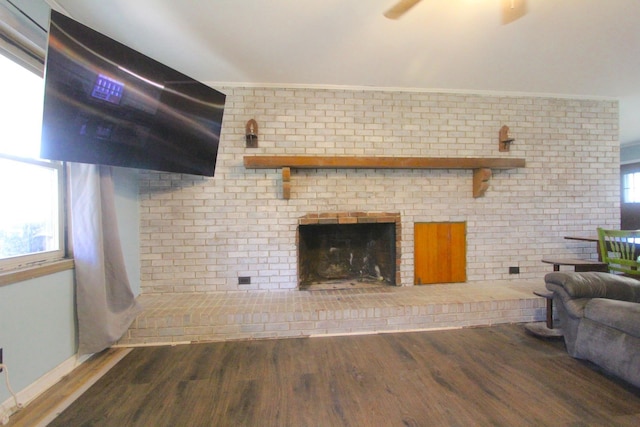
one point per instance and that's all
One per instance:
(37, 327)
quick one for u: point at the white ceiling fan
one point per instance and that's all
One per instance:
(511, 9)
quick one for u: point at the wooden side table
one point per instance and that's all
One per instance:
(579, 265)
(545, 329)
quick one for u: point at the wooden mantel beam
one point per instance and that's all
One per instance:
(357, 162)
(481, 166)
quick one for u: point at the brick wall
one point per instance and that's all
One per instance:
(199, 234)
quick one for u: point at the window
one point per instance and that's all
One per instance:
(31, 189)
(631, 183)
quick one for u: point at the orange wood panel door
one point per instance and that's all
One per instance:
(440, 252)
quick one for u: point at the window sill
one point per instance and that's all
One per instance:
(32, 272)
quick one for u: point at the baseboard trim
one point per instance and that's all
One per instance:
(42, 384)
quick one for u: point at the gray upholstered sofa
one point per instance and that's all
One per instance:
(599, 314)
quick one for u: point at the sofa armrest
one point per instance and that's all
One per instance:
(594, 285)
(573, 307)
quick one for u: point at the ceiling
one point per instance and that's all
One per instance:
(574, 48)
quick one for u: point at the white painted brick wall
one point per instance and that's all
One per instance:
(199, 234)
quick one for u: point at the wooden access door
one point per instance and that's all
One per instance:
(440, 251)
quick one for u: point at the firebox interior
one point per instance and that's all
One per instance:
(351, 254)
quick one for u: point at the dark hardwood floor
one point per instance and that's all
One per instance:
(492, 376)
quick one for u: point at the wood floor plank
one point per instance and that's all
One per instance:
(478, 376)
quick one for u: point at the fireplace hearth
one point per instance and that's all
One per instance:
(348, 250)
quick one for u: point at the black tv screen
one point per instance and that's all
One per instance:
(107, 104)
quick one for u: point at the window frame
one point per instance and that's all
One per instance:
(25, 44)
(38, 258)
(627, 169)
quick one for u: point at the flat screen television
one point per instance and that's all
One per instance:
(107, 104)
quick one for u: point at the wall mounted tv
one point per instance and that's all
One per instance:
(108, 104)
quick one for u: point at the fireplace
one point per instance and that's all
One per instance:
(348, 250)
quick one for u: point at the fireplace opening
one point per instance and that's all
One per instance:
(347, 255)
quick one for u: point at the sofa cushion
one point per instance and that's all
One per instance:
(621, 315)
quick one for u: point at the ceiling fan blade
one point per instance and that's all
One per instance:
(513, 10)
(400, 8)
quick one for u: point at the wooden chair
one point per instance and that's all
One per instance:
(620, 249)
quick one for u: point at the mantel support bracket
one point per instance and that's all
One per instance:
(286, 182)
(481, 177)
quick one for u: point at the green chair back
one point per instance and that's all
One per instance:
(620, 249)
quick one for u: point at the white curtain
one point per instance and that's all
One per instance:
(105, 304)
